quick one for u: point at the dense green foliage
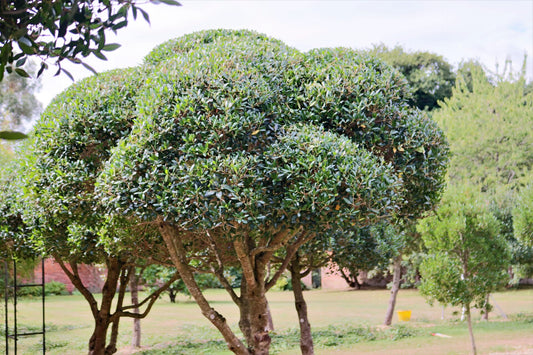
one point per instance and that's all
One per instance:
(430, 77)
(523, 217)
(467, 254)
(63, 30)
(72, 141)
(241, 139)
(489, 129)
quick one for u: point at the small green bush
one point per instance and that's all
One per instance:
(55, 288)
(51, 288)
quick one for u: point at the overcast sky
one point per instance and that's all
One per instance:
(489, 31)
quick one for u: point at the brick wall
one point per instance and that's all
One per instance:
(91, 276)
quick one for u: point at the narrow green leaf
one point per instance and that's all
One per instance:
(25, 46)
(21, 61)
(145, 15)
(88, 67)
(110, 47)
(22, 72)
(167, 2)
(99, 55)
(11, 135)
(67, 73)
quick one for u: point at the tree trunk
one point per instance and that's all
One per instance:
(306, 338)
(97, 342)
(172, 237)
(469, 321)
(134, 288)
(172, 296)
(254, 321)
(394, 290)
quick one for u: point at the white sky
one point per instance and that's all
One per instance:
(489, 31)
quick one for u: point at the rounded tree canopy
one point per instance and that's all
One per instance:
(235, 129)
(72, 140)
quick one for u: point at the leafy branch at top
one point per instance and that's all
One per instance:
(63, 30)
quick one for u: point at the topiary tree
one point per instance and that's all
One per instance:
(244, 150)
(467, 254)
(71, 143)
(218, 161)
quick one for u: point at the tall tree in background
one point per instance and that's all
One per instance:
(62, 30)
(430, 76)
(488, 124)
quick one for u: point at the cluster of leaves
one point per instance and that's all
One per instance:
(430, 77)
(523, 217)
(486, 123)
(214, 132)
(65, 29)
(467, 254)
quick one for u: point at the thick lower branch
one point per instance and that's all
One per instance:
(171, 236)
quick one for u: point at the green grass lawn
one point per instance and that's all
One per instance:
(344, 322)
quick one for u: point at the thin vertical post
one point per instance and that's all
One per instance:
(15, 303)
(6, 300)
(42, 282)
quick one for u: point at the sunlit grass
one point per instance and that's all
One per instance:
(343, 322)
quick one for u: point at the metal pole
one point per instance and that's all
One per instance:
(6, 300)
(15, 302)
(44, 327)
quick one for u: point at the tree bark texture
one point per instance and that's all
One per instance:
(306, 338)
(97, 342)
(254, 318)
(134, 288)
(397, 276)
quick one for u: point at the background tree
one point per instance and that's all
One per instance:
(523, 216)
(488, 127)
(487, 122)
(62, 30)
(430, 76)
(18, 105)
(467, 254)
